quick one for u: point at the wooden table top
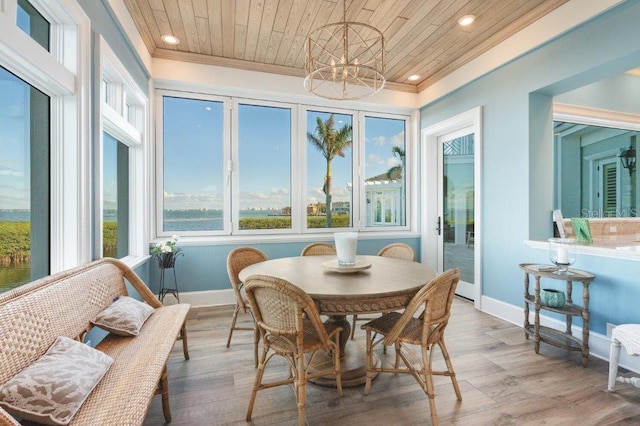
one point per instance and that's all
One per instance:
(389, 284)
(551, 271)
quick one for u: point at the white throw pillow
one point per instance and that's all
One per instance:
(52, 389)
(124, 317)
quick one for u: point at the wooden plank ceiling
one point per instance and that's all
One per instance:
(422, 36)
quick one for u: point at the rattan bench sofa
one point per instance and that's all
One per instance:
(34, 315)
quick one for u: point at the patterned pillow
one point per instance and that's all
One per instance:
(52, 389)
(124, 317)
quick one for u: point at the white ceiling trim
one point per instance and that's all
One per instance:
(596, 117)
(541, 31)
(130, 29)
(237, 82)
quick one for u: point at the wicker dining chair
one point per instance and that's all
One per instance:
(237, 260)
(395, 250)
(399, 251)
(426, 331)
(290, 326)
(318, 249)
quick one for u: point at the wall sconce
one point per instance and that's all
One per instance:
(628, 158)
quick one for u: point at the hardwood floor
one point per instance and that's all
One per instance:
(502, 380)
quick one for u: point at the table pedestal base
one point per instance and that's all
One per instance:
(353, 366)
(353, 362)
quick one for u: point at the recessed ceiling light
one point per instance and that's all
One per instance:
(466, 20)
(413, 77)
(170, 39)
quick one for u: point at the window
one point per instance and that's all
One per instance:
(384, 171)
(233, 166)
(193, 166)
(120, 153)
(264, 167)
(33, 23)
(24, 182)
(44, 49)
(115, 197)
(329, 170)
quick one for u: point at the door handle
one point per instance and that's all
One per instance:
(439, 226)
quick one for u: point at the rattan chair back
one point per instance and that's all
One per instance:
(237, 260)
(436, 298)
(398, 251)
(318, 249)
(280, 309)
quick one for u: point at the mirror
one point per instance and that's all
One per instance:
(596, 175)
(596, 130)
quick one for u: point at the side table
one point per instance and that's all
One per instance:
(168, 261)
(564, 340)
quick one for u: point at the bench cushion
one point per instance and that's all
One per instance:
(52, 389)
(123, 317)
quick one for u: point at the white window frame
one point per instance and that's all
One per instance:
(296, 218)
(299, 230)
(226, 152)
(408, 151)
(63, 74)
(123, 114)
(355, 167)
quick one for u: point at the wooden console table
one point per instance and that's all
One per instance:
(549, 335)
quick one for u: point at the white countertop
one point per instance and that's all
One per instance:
(619, 247)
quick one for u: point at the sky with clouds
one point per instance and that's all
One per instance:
(193, 152)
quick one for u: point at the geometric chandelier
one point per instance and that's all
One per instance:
(344, 60)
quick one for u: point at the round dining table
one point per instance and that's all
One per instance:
(374, 284)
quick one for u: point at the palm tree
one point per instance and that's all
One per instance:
(399, 169)
(397, 172)
(330, 142)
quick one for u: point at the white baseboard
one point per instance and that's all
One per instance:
(599, 344)
(204, 298)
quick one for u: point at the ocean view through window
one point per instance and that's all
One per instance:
(233, 166)
(264, 167)
(193, 165)
(24, 182)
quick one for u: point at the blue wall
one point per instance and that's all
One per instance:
(205, 267)
(517, 169)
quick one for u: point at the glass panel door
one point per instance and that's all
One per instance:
(456, 245)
